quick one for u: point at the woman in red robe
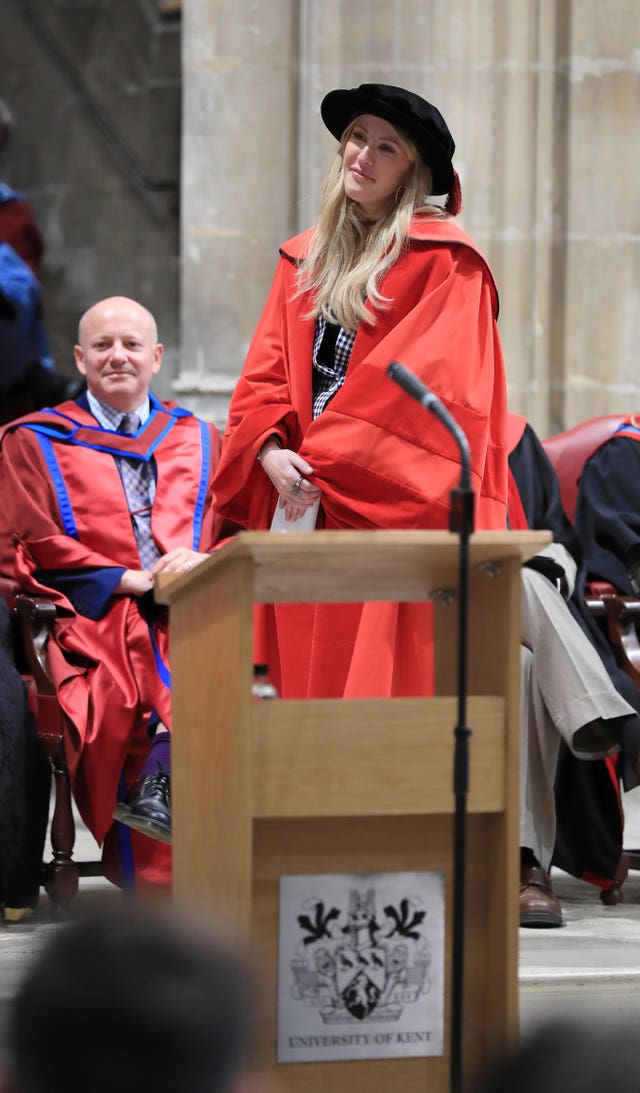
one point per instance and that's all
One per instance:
(386, 275)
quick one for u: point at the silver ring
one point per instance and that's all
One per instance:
(187, 565)
(297, 483)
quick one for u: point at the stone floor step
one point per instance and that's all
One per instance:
(589, 967)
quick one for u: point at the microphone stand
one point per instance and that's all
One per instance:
(461, 520)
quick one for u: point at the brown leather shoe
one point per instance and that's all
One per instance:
(539, 905)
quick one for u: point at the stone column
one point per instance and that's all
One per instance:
(488, 66)
(239, 159)
(525, 182)
(598, 329)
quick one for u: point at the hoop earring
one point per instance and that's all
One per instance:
(398, 194)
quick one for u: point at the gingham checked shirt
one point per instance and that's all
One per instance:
(332, 347)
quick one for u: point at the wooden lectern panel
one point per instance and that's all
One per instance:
(269, 789)
(292, 777)
(342, 567)
(347, 845)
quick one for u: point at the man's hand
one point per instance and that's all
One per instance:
(287, 469)
(134, 582)
(178, 560)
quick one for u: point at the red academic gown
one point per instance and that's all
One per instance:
(380, 460)
(18, 228)
(70, 537)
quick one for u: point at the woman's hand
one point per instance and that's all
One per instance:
(287, 471)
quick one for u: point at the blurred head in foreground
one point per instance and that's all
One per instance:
(571, 1056)
(138, 998)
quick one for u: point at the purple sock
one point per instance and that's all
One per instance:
(159, 758)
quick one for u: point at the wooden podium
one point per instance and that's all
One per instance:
(264, 789)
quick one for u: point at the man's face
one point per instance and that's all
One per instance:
(118, 352)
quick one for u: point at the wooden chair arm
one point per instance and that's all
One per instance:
(35, 619)
(621, 614)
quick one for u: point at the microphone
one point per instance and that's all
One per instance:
(416, 388)
(413, 386)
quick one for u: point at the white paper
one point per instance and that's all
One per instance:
(360, 966)
(307, 522)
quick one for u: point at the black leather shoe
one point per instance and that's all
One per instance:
(539, 905)
(147, 806)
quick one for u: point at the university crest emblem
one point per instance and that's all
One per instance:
(361, 961)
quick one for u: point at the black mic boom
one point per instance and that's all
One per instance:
(416, 388)
(413, 386)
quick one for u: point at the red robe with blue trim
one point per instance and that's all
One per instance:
(380, 460)
(67, 533)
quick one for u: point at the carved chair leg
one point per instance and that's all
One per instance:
(614, 894)
(61, 873)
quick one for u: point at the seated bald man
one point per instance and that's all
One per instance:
(101, 494)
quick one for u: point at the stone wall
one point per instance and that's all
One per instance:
(541, 96)
(95, 89)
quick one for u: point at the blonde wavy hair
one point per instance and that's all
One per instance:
(349, 254)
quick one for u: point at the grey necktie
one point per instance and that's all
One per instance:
(136, 480)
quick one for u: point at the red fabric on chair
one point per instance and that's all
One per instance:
(569, 451)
